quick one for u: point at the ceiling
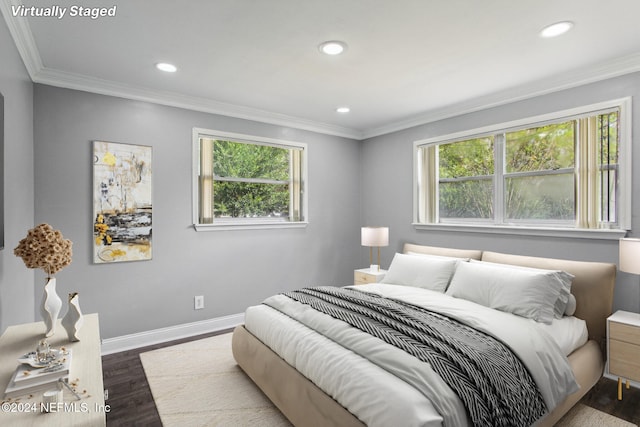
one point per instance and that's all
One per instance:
(408, 62)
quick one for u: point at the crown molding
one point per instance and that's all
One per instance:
(579, 77)
(106, 87)
(22, 37)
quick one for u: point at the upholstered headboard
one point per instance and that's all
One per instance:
(434, 250)
(592, 285)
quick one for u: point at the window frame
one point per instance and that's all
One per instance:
(247, 223)
(529, 228)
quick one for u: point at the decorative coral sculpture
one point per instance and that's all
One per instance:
(45, 248)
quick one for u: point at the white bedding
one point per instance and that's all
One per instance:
(569, 333)
(423, 399)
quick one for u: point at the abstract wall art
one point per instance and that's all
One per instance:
(122, 202)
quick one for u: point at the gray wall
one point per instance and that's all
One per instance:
(16, 281)
(387, 185)
(232, 269)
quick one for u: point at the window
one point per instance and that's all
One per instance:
(567, 170)
(243, 181)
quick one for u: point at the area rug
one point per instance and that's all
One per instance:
(199, 384)
(585, 416)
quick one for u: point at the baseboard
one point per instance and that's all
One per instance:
(142, 339)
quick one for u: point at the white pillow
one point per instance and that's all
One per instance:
(527, 292)
(570, 310)
(432, 273)
(562, 306)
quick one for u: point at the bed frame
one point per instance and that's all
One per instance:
(304, 404)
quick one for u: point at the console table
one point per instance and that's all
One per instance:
(86, 367)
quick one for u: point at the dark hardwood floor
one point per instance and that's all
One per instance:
(132, 404)
(604, 397)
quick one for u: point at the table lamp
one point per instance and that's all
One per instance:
(375, 237)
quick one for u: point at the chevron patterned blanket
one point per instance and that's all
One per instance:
(493, 384)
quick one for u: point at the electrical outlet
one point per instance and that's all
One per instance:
(198, 302)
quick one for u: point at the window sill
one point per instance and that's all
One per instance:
(226, 226)
(600, 234)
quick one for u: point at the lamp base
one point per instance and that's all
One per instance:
(374, 268)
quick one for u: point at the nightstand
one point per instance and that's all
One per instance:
(365, 275)
(623, 347)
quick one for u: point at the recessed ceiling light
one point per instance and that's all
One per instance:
(556, 29)
(333, 47)
(165, 66)
(343, 110)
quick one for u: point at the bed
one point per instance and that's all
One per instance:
(343, 378)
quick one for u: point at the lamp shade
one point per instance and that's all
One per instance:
(630, 255)
(375, 236)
